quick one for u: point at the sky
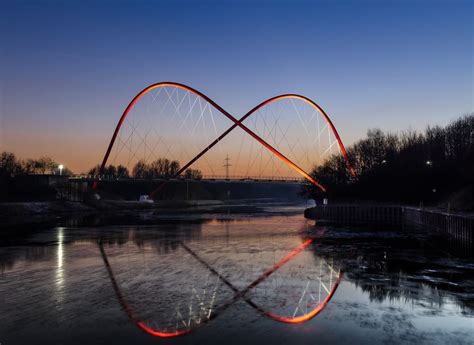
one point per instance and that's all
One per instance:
(69, 68)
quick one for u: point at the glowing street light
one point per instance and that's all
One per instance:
(429, 163)
(60, 167)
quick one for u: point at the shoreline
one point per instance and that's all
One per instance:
(455, 225)
(13, 214)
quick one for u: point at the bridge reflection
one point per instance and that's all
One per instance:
(177, 274)
(172, 294)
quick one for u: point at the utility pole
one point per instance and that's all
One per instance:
(226, 166)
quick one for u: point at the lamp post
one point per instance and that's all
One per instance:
(60, 167)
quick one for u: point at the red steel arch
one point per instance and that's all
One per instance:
(236, 123)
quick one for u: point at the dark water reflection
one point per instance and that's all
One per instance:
(233, 278)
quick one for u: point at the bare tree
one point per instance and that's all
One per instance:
(122, 172)
(140, 170)
(9, 165)
(193, 174)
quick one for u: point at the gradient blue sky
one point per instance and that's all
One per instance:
(68, 69)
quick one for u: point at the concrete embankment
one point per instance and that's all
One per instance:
(457, 226)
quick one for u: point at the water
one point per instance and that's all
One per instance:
(214, 277)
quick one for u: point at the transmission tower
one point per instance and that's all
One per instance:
(226, 166)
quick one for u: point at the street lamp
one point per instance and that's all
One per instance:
(60, 167)
(429, 163)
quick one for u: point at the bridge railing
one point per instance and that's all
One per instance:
(204, 177)
(252, 178)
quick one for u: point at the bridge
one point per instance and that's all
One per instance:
(170, 129)
(207, 178)
(174, 130)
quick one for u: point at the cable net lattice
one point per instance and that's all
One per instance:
(293, 127)
(177, 124)
(169, 123)
(172, 289)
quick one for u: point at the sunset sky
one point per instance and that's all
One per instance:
(68, 69)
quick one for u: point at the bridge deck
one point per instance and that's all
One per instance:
(208, 178)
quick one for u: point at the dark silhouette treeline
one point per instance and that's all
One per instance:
(30, 179)
(11, 166)
(433, 167)
(160, 168)
(110, 171)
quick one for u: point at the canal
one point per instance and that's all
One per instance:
(243, 275)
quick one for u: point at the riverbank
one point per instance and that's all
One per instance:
(456, 225)
(68, 212)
